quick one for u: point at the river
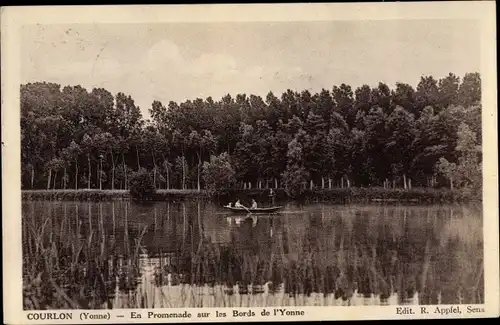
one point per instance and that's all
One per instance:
(119, 254)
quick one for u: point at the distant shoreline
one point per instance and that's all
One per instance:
(334, 195)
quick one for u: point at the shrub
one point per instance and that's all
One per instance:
(218, 174)
(295, 178)
(142, 186)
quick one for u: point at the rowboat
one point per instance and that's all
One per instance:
(254, 210)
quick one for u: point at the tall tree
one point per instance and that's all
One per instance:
(314, 149)
(469, 92)
(381, 97)
(404, 96)
(401, 132)
(375, 144)
(344, 103)
(295, 176)
(448, 90)
(427, 93)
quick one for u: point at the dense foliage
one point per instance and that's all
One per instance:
(343, 137)
(142, 186)
(218, 174)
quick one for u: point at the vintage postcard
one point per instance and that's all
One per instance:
(290, 162)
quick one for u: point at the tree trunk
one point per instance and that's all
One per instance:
(342, 182)
(138, 161)
(112, 171)
(55, 177)
(183, 173)
(100, 174)
(322, 182)
(409, 183)
(348, 183)
(154, 167)
(199, 164)
(64, 178)
(32, 176)
(76, 173)
(124, 171)
(90, 175)
(451, 183)
(154, 175)
(168, 179)
(329, 183)
(404, 181)
(311, 184)
(113, 178)
(275, 182)
(49, 178)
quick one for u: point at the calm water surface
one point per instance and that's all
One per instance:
(193, 254)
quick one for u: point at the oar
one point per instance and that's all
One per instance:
(246, 209)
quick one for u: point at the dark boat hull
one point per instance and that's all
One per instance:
(257, 210)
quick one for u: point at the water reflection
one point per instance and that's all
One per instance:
(122, 255)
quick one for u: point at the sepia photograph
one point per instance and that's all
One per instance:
(169, 165)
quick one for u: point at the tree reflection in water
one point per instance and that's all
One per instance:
(120, 255)
(353, 253)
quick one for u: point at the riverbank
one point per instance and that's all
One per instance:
(364, 195)
(335, 195)
(105, 195)
(397, 195)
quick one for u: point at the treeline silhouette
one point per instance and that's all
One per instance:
(369, 136)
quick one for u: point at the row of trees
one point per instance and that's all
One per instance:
(428, 136)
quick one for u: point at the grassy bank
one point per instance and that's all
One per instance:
(362, 195)
(106, 195)
(382, 195)
(335, 195)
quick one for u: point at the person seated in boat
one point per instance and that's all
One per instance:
(229, 205)
(254, 204)
(238, 204)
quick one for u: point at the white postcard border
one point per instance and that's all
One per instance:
(12, 18)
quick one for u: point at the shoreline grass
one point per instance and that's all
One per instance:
(334, 195)
(106, 195)
(79, 258)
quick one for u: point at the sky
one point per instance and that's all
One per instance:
(179, 61)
